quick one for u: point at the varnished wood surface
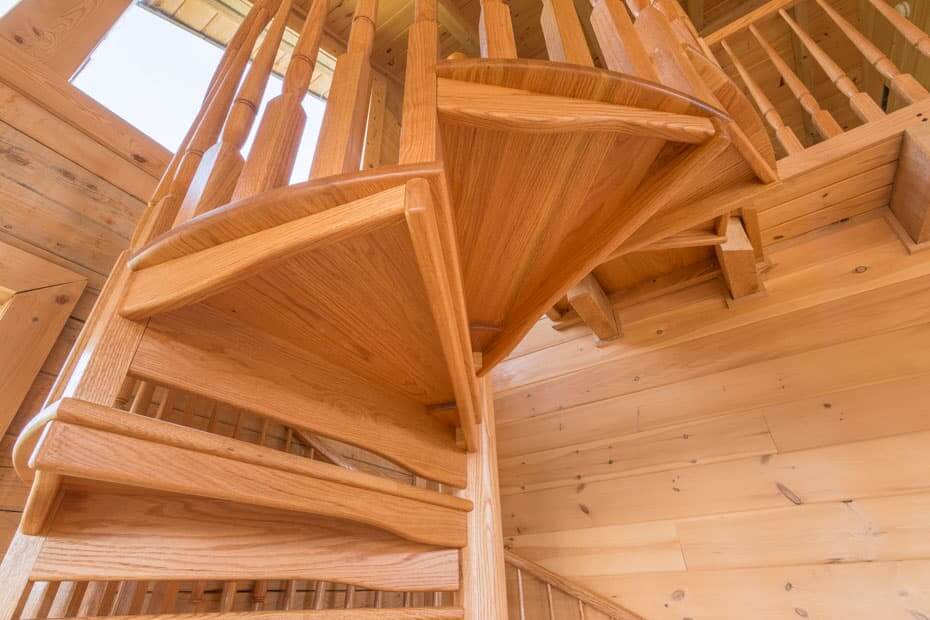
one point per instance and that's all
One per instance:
(124, 534)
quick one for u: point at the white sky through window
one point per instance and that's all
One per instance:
(154, 74)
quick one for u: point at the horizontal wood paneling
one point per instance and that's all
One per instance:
(849, 591)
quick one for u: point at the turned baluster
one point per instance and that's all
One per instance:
(259, 592)
(520, 595)
(291, 594)
(221, 164)
(319, 595)
(784, 134)
(562, 31)
(228, 596)
(271, 159)
(143, 398)
(911, 33)
(823, 121)
(621, 47)
(350, 597)
(166, 405)
(495, 30)
(342, 135)
(861, 103)
(903, 84)
(198, 604)
(205, 129)
(153, 220)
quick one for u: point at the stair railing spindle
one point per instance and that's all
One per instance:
(783, 133)
(823, 121)
(861, 103)
(903, 84)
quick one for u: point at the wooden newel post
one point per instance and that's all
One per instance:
(342, 135)
(496, 30)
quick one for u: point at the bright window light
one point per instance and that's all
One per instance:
(154, 74)
(6, 5)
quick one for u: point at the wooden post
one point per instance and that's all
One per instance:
(903, 84)
(910, 197)
(784, 134)
(621, 47)
(861, 103)
(484, 585)
(495, 30)
(589, 301)
(562, 31)
(342, 135)
(419, 130)
(737, 259)
(823, 121)
(271, 159)
(221, 164)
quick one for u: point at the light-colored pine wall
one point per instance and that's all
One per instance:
(766, 460)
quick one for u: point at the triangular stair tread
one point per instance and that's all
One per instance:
(355, 269)
(540, 159)
(92, 442)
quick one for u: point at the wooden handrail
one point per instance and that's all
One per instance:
(738, 25)
(911, 33)
(553, 580)
(903, 84)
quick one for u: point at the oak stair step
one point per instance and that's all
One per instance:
(79, 440)
(357, 270)
(409, 613)
(551, 167)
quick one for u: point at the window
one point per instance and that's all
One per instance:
(6, 5)
(154, 74)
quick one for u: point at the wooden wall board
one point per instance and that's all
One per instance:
(866, 469)
(848, 591)
(868, 530)
(60, 33)
(789, 319)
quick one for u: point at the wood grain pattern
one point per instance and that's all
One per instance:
(226, 541)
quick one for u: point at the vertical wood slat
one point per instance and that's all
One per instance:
(495, 30)
(903, 84)
(783, 133)
(342, 134)
(220, 166)
(562, 31)
(274, 151)
(861, 103)
(911, 33)
(622, 49)
(823, 121)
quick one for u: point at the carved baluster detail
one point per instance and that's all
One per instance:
(861, 103)
(903, 84)
(823, 121)
(271, 159)
(784, 134)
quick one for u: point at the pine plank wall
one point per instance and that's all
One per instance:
(766, 460)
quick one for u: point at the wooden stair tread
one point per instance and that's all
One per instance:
(540, 157)
(92, 442)
(354, 269)
(405, 613)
